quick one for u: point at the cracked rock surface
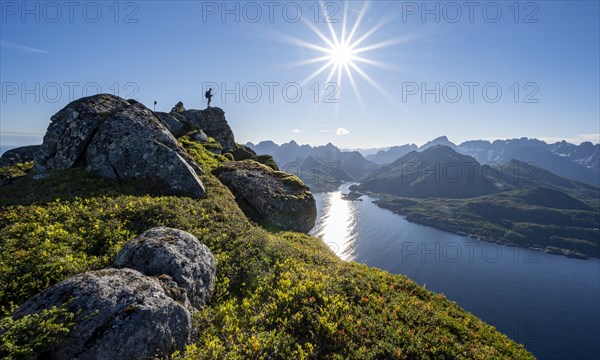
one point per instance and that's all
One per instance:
(175, 253)
(122, 315)
(143, 310)
(118, 139)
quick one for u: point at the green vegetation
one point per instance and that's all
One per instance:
(531, 217)
(15, 171)
(278, 295)
(33, 334)
(266, 160)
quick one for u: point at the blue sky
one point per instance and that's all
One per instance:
(169, 51)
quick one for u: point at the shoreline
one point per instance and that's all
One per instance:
(457, 230)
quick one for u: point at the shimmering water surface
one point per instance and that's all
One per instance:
(549, 303)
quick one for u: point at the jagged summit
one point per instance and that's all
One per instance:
(442, 140)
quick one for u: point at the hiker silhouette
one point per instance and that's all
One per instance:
(208, 94)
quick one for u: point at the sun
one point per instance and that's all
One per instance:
(345, 50)
(342, 55)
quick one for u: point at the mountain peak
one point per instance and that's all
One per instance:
(441, 140)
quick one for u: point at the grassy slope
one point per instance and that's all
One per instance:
(507, 218)
(279, 295)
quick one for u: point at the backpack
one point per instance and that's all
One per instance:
(207, 94)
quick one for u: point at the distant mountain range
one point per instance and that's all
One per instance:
(578, 162)
(322, 168)
(512, 203)
(440, 171)
(437, 171)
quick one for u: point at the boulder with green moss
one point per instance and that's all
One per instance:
(212, 121)
(269, 196)
(242, 152)
(266, 160)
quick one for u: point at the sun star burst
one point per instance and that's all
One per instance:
(343, 52)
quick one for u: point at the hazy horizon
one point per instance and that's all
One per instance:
(350, 147)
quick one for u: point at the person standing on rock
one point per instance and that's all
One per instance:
(208, 94)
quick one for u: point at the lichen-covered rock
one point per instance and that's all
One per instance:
(276, 197)
(212, 122)
(199, 136)
(71, 130)
(175, 253)
(174, 122)
(118, 139)
(18, 155)
(178, 108)
(242, 152)
(135, 145)
(121, 314)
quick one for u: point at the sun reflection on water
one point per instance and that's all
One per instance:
(336, 225)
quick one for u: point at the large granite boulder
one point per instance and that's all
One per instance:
(174, 122)
(175, 253)
(212, 122)
(18, 155)
(274, 197)
(119, 139)
(122, 314)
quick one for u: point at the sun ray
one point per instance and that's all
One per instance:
(343, 35)
(361, 15)
(330, 24)
(318, 32)
(316, 73)
(379, 64)
(310, 61)
(330, 76)
(372, 82)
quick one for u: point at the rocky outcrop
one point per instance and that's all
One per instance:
(174, 122)
(177, 254)
(199, 136)
(142, 310)
(265, 195)
(242, 152)
(18, 155)
(178, 108)
(118, 139)
(121, 314)
(212, 122)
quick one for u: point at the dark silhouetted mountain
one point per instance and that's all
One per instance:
(557, 164)
(550, 198)
(586, 154)
(392, 154)
(499, 151)
(264, 147)
(283, 154)
(522, 174)
(319, 165)
(438, 171)
(564, 159)
(442, 140)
